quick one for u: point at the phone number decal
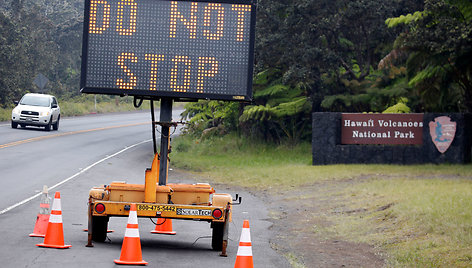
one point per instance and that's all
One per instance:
(156, 208)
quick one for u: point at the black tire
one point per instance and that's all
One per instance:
(48, 126)
(99, 228)
(55, 126)
(14, 124)
(217, 235)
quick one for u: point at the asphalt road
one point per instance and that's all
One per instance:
(93, 150)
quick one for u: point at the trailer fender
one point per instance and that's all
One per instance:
(223, 200)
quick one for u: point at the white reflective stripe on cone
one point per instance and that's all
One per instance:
(133, 217)
(244, 251)
(55, 218)
(245, 235)
(132, 232)
(56, 204)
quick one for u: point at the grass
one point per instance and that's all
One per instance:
(5, 114)
(220, 157)
(428, 223)
(245, 162)
(420, 215)
(294, 261)
(85, 104)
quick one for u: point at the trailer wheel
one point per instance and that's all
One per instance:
(217, 235)
(99, 228)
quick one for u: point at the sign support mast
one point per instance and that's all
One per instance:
(165, 122)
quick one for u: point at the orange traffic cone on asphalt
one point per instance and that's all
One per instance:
(42, 219)
(54, 235)
(131, 247)
(163, 226)
(244, 255)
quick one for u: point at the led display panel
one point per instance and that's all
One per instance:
(178, 49)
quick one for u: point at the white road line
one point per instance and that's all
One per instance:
(73, 176)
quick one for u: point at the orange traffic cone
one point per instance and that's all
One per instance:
(131, 247)
(42, 219)
(244, 255)
(54, 235)
(163, 226)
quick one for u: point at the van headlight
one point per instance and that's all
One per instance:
(45, 113)
(16, 110)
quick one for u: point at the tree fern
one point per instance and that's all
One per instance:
(405, 19)
(428, 73)
(271, 91)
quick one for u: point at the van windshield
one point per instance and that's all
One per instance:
(35, 101)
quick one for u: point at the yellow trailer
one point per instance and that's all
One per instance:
(171, 201)
(158, 199)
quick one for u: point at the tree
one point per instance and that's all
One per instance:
(27, 49)
(217, 115)
(281, 112)
(321, 55)
(438, 45)
(12, 53)
(39, 36)
(332, 46)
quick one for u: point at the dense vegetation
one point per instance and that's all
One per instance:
(39, 36)
(337, 55)
(351, 56)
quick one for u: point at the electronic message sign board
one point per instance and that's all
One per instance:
(176, 49)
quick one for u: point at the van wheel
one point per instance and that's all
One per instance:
(14, 124)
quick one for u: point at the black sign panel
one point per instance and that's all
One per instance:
(179, 49)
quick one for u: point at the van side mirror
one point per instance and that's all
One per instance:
(16, 102)
(53, 105)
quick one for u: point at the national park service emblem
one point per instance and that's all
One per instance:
(442, 132)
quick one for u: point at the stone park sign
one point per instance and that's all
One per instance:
(344, 138)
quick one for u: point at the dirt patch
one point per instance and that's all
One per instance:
(299, 223)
